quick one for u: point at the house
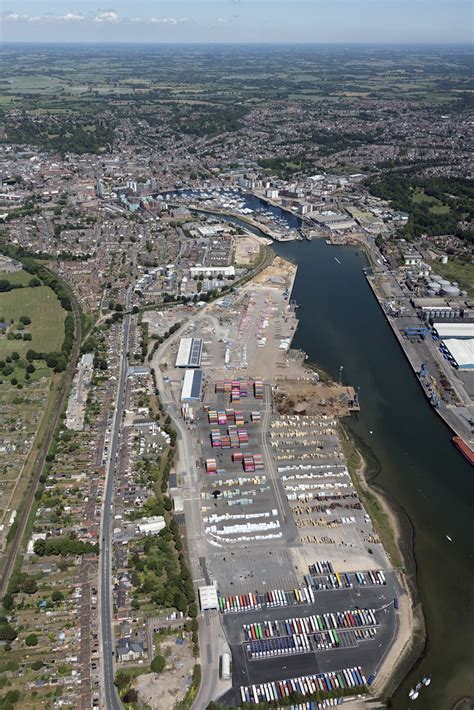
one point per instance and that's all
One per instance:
(129, 650)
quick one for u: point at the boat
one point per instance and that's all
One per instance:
(426, 680)
(336, 259)
(464, 448)
(449, 538)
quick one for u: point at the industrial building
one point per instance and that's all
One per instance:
(208, 598)
(211, 271)
(459, 340)
(151, 526)
(189, 352)
(192, 386)
(334, 221)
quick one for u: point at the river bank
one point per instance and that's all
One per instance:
(415, 361)
(411, 636)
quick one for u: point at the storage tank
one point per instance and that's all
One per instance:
(451, 290)
(444, 283)
(444, 259)
(434, 286)
(435, 277)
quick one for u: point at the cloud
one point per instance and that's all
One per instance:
(71, 17)
(168, 20)
(101, 17)
(68, 17)
(107, 16)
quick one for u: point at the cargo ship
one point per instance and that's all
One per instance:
(464, 448)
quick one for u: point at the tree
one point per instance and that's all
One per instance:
(158, 664)
(121, 680)
(180, 602)
(8, 602)
(7, 632)
(131, 696)
(26, 320)
(29, 585)
(31, 640)
(57, 596)
(15, 356)
(39, 547)
(30, 368)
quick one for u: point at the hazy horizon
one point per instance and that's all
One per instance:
(239, 22)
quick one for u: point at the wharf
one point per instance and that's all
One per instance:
(448, 415)
(265, 229)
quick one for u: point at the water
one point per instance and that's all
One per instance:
(419, 468)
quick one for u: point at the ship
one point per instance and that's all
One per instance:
(464, 448)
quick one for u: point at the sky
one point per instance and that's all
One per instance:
(348, 21)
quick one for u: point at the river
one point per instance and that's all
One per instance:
(408, 449)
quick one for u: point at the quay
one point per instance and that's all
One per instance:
(463, 437)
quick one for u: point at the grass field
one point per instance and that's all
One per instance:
(435, 206)
(16, 277)
(463, 274)
(47, 319)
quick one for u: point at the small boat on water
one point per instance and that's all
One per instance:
(415, 692)
(336, 259)
(449, 538)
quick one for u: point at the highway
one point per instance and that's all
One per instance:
(111, 698)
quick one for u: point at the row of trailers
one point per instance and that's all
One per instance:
(303, 685)
(299, 595)
(340, 620)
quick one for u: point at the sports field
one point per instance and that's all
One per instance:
(41, 305)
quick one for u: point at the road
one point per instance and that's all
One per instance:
(210, 622)
(111, 698)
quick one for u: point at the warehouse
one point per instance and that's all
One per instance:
(459, 331)
(192, 386)
(208, 598)
(462, 350)
(189, 352)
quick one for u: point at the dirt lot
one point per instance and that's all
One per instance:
(168, 688)
(247, 249)
(280, 273)
(301, 397)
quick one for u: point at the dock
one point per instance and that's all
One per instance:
(463, 437)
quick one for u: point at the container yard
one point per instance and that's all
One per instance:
(304, 587)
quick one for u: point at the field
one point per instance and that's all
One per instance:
(47, 319)
(16, 277)
(435, 205)
(85, 79)
(463, 274)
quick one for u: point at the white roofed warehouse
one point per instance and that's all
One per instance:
(189, 352)
(192, 386)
